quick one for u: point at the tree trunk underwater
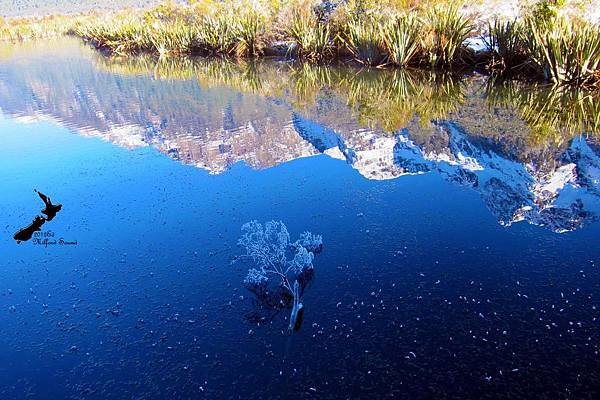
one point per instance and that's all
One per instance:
(297, 311)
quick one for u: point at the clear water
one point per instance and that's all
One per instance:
(461, 245)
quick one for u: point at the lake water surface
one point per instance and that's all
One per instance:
(459, 218)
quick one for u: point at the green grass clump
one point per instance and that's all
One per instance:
(249, 29)
(363, 39)
(564, 52)
(171, 38)
(507, 46)
(122, 37)
(401, 39)
(445, 31)
(132, 35)
(313, 38)
(215, 35)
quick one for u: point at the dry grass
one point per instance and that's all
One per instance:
(17, 29)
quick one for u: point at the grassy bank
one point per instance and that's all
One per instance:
(392, 33)
(370, 32)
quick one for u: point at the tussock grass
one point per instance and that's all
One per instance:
(215, 35)
(249, 28)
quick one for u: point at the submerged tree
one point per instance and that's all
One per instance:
(283, 268)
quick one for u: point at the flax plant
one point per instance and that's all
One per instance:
(249, 28)
(506, 45)
(564, 52)
(445, 31)
(401, 39)
(363, 39)
(216, 35)
(312, 37)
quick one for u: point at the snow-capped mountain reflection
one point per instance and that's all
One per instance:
(561, 198)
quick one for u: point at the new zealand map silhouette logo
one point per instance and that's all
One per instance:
(49, 211)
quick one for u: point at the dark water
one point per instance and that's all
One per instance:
(461, 244)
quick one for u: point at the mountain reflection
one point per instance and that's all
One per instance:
(520, 147)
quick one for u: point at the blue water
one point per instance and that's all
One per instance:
(419, 292)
